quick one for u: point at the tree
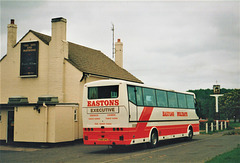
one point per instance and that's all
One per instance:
(229, 105)
(206, 103)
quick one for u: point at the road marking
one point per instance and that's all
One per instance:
(158, 150)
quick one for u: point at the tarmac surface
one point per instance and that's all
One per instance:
(201, 148)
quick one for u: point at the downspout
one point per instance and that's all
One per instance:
(46, 120)
(84, 75)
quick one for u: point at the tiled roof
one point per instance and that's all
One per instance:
(91, 61)
(45, 38)
(95, 62)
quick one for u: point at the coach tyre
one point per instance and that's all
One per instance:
(154, 139)
(190, 134)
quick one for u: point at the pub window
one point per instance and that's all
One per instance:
(29, 59)
(75, 115)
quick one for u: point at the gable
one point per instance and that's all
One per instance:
(44, 38)
(89, 60)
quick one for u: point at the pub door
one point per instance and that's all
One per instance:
(10, 130)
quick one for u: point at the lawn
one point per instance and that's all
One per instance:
(233, 125)
(231, 157)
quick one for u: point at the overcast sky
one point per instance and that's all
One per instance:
(177, 45)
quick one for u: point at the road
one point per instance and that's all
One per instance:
(200, 149)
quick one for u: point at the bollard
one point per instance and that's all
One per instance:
(212, 126)
(206, 128)
(217, 125)
(221, 125)
(225, 122)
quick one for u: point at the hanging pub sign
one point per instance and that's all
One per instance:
(216, 89)
(29, 59)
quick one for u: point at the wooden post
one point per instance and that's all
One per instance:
(206, 128)
(212, 126)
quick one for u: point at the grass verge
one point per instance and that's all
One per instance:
(231, 157)
(234, 125)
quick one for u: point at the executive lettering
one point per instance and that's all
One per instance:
(102, 110)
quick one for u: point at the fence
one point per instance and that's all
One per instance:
(216, 125)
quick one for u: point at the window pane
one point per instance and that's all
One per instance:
(190, 101)
(182, 100)
(139, 96)
(103, 92)
(149, 97)
(131, 94)
(172, 100)
(161, 98)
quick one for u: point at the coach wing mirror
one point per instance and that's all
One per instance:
(195, 103)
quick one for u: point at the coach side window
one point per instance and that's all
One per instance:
(139, 95)
(161, 98)
(182, 100)
(149, 97)
(131, 94)
(172, 100)
(190, 101)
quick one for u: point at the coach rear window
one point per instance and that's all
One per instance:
(103, 92)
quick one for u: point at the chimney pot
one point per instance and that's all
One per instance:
(12, 21)
(119, 40)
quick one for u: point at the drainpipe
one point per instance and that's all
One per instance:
(46, 120)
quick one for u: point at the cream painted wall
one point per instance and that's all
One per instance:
(73, 85)
(29, 125)
(11, 82)
(53, 124)
(64, 124)
(61, 124)
(74, 91)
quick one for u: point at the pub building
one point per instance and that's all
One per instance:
(42, 79)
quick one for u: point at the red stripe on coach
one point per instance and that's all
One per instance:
(141, 126)
(146, 113)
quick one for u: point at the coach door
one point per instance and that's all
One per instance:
(132, 112)
(132, 103)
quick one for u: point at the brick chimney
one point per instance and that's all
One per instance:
(58, 50)
(119, 53)
(12, 35)
(59, 29)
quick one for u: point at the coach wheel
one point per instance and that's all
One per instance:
(154, 139)
(190, 134)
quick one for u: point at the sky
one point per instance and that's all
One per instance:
(177, 45)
